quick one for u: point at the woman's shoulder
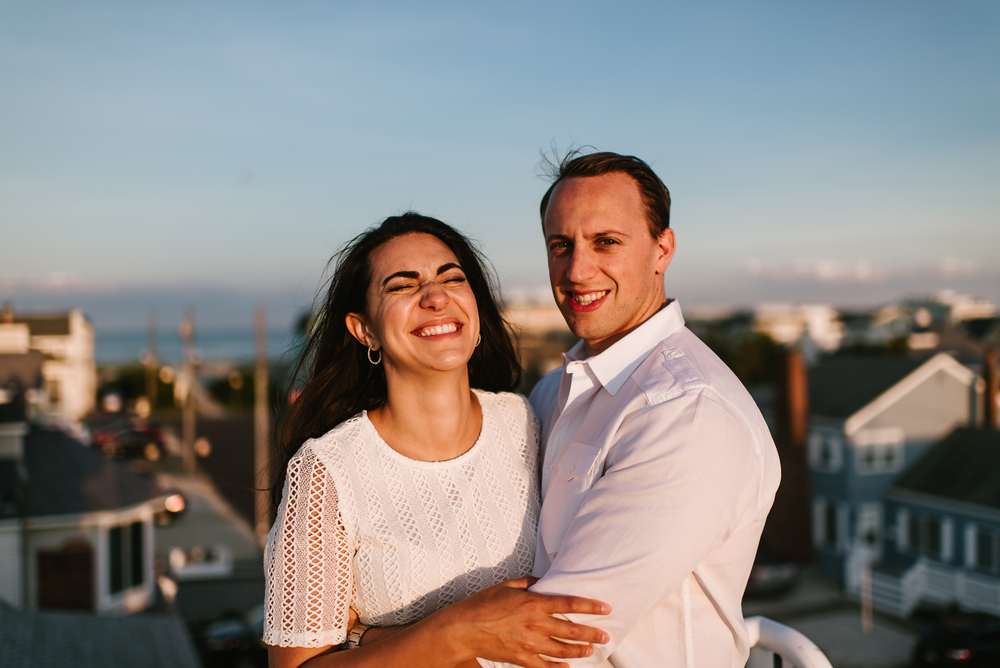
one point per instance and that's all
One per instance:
(336, 442)
(505, 402)
(514, 411)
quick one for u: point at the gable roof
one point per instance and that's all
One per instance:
(66, 477)
(965, 467)
(51, 639)
(840, 386)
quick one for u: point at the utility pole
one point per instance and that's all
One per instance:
(990, 419)
(150, 360)
(187, 415)
(262, 429)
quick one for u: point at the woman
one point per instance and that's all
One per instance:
(410, 495)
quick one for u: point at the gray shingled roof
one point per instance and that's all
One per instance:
(46, 325)
(67, 477)
(57, 639)
(841, 386)
(965, 467)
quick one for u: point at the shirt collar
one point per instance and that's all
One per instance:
(613, 366)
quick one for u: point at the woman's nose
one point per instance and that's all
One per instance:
(433, 296)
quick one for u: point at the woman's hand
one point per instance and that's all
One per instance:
(507, 623)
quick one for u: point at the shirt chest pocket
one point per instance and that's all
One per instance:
(573, 476)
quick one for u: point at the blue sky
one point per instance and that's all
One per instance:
(154, 155)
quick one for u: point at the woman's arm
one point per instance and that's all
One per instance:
(504, 623)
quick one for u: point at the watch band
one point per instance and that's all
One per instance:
(354, 637)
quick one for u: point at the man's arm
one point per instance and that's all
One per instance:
(681, 477)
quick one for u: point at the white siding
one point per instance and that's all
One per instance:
(10, 567)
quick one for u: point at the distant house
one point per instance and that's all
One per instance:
(76, 528)
(814, 325)
(870, 418)
(69, 370)
(943, 516)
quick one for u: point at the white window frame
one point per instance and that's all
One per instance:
(831, 441)
(886, 446)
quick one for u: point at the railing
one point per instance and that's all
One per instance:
(769, 639)
(935, 583)
(978, 592)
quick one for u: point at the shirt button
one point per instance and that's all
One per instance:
(552, 467)
(572, 468)
(676, 354)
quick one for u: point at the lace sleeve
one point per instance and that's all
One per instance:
(307, 561)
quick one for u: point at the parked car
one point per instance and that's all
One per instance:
(235, 642)
(127, 438)
(968, 640)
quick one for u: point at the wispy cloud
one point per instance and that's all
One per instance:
(822, 270)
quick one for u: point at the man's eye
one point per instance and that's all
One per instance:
(607, 242)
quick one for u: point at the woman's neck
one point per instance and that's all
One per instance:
(429, 419)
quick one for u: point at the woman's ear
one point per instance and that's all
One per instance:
(359, 329)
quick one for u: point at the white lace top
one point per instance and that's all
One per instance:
(360, 524)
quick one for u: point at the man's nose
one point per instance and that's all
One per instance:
(433, 296)
(581, 265)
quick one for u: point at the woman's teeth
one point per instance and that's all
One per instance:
(589, 298)
(438, 329)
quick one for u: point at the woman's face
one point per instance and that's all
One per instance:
(421, 313)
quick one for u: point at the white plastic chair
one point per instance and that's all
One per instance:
(781, 641)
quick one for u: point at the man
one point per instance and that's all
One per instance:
(658, 468)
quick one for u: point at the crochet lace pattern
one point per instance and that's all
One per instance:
(361, 525)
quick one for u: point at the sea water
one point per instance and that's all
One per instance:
(232, 346)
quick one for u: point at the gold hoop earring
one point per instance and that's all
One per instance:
(374, 362)
(479, 340)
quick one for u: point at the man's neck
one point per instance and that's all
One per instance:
(593, 348)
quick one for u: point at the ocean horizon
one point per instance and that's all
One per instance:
(224, 346)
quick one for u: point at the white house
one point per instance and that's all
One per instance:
(76, 527)
(69, 370)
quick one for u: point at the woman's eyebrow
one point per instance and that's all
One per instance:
(416, 275)
(402, 274)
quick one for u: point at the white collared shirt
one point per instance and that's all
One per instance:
(658, 473)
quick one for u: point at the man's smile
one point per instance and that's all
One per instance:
(586, 300)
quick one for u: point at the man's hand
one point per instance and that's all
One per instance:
(509, 624)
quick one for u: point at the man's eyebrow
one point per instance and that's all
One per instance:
(416, 275)
(592, 235)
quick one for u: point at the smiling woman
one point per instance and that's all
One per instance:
(409, 500)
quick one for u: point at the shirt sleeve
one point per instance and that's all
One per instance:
(307, 561)
(680, 478)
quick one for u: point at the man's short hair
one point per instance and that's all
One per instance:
(655, 196)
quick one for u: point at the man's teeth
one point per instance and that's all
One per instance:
(589, 298)
(438, 329)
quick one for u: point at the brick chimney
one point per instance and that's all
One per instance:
(990, 397)
(789, 526)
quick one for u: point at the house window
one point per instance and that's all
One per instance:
(126, 544)
(825, 450)
(929, 535)
(879, 450)
(829, 524)
(987, 550)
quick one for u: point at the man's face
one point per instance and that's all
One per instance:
(605, 268)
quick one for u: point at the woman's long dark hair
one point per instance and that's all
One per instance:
(339, 381)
